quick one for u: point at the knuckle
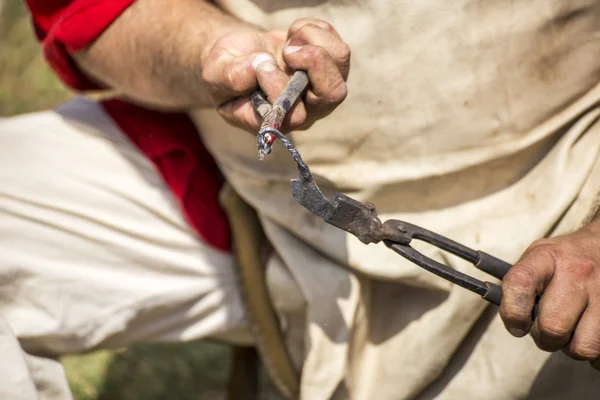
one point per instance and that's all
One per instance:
(308, 28)
(297, 24)
(209, 73)
(302, 22)
(344, 52)
(586, 351)
(207, 76)
(302, 34)
(236, 80)
(313, 56)
(323, 25)
(553, 328)
(513, 314)
(547, 246)
(582, 268)
(316, 52)
(337, 91)
(521, 275)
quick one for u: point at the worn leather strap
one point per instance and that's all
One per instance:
(249, 243)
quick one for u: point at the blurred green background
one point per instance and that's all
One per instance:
(149, 372)
(26, 83)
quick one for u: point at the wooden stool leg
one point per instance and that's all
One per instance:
(243, 374)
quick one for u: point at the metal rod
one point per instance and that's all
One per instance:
(439, 269)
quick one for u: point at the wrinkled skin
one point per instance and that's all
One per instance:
(239, 60)
(565, 272)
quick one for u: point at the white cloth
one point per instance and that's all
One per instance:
(95, 252)
(473, 118)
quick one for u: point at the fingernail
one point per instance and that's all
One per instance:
(266, 66)
(262, 58)
(291, 49)
(517, 332)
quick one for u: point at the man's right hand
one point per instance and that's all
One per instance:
(241, 62)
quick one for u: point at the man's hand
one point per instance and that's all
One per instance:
(565, 272)
(186, 54)
(240, 62)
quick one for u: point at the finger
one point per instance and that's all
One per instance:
(240, 113)
(562, 304)
(331, 42)
(585, 343)
(523, 282)
(272, 81)
(327, 86)
(299, 23)
(227, 76)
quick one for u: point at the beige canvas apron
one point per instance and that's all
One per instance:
(473, 118)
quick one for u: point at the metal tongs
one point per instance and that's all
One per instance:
(360, 219)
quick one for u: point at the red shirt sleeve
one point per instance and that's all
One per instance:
(67, 26)
(169, 140)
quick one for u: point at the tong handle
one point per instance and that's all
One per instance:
(494, 296)
(483, 261)
(492, 265)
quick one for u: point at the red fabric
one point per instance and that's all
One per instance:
(170, 140)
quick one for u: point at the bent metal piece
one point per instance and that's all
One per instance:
(360, 219)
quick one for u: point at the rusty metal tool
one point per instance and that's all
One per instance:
(273, 115)
(360, 219)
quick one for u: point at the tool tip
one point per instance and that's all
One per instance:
(264, 146)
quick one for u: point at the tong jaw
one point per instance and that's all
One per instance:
(360, 220)
(354, 217)
(346, 213)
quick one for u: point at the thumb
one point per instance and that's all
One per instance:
(239, 111)
(227, 76)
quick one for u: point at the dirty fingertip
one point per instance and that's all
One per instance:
(516, 332)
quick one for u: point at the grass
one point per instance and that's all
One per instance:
(150, 371)
(145, 371)
(26, 83)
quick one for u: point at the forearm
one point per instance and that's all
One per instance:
(153, 53)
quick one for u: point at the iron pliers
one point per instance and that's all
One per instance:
(360, 219)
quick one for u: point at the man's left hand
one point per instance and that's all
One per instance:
(565, 272)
